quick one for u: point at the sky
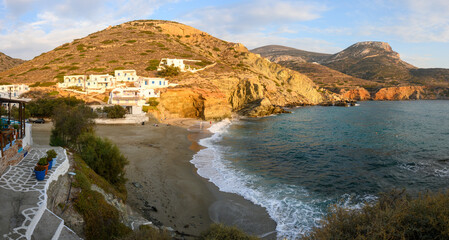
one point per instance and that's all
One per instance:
(417, 29)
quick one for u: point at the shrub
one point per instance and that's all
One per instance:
(115, 111)
(96, 69)
(109, 41)
(102, 221)
(146, 232)
(104, 158)
(153, 64)
(131, 41)
(169, 71)
(216, 49)
(222, 232)
(153, 102)
(395, 215)
(69, 123)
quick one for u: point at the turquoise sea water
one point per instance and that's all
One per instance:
(296, 164)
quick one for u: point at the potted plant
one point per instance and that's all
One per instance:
(39, 170)
(43, 162)
(51, 157)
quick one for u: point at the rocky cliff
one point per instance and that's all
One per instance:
(402, 93)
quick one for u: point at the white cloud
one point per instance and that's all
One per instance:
(261, 22)
(253, 15)
(31, 27)
(419, 21)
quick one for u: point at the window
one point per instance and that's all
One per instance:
(79, 80)
(125, 74)
(160, 83)
(152, 82)
(146, 82)
(128, 79)
(118, 74)
(88, 84)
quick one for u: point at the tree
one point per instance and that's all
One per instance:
(69, 123)
(115, 111)
(45, 107)
(103, 157)
(169, 71)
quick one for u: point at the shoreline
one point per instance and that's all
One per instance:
(232, 209)
(164, 186)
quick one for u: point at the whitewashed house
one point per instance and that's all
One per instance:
(144, 82)
(16, 90)
(73, 81)
(125, 75)
(180, 63)
(100, 82)
(132, 98)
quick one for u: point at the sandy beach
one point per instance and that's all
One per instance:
(163, 185)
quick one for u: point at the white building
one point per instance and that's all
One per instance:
(132, 98)
(125, 75)
(144, 82)
(180, 63)
(73, 81)
(16, 90)
(100, 82)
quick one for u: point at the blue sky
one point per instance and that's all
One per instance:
(417, 29)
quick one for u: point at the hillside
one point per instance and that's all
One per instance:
(277, 53)
(240, 81)
(370, 60)
(7, 62)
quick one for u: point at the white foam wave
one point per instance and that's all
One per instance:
(442, 172)
(293, 217)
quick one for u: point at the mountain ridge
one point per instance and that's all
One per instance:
(7, 62)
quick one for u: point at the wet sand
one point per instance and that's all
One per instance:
(163, 185)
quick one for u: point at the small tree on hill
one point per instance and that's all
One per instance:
(169, 71)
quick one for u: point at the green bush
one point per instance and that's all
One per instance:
(153, 101)
(44, 107)
(153, 64)
(115, 111)
(146, 232)
(169, 71)
(222, 232)
(69, 123)
(395, 215)
(102, 221)
(104, 158)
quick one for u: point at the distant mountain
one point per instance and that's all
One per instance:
(370, 65)
(372, 61)
(7, 62)
(277, 53)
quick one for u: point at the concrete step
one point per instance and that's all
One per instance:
(67, 234)
(48, 227)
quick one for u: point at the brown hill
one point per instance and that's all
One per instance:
(277, 53)
(240, 81)
(372, 61)
(7, 62)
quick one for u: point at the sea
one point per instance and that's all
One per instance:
(297, 165)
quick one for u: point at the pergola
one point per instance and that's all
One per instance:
(7, 131)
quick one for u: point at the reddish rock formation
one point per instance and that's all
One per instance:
(358, 94)
(401, 93)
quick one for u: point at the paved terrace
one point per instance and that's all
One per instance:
(24, 199)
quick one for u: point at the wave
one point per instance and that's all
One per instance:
(294, 218)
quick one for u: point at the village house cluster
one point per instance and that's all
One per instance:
(132, 98)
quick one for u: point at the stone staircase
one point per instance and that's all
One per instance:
(51, 227)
